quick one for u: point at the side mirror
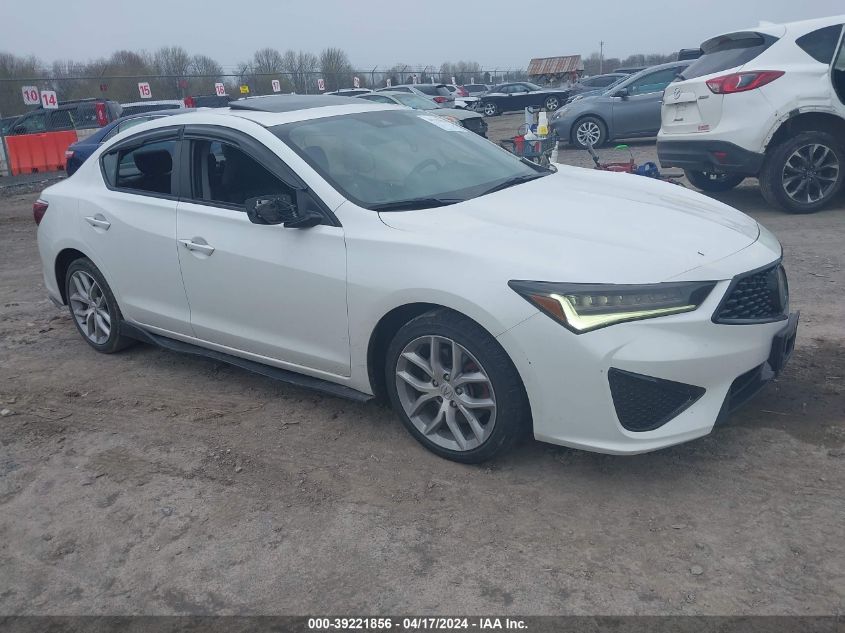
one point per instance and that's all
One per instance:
(279, 209)
(622, 93)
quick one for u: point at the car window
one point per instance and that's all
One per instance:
(529, 86)
(401, 89)
(377, 158)
(839, 73)
(728, 51)
(654, 82)
(606, 81)
(377, 98)
(417, 102)
(226, 175)
(125, 125)
(61, 120)
(31, 123)
(148, 168)
(428, 89)
(821, 44)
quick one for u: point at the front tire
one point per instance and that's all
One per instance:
(455, 389)
(712, 182)
(489, 108)
(552, 103)
(93, 307)
(589, 130)
(804, 173)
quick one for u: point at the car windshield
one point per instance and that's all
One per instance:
(532, 86)
(393, 159)
(416, 102)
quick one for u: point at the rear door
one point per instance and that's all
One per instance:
(267, 290)
(689, 105)
(638, 114)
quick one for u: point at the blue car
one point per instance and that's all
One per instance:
(77, 153)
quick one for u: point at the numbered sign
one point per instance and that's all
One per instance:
(356, 83)
(220, 89)
(414, 79)
(389, 83)
(49, 99)
(454, 83)
(472, 80)
(144, 90)
(277, 85)
(31, 96)
(321, 84)
(244, 89)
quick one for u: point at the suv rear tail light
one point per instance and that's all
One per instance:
(101, 114)
(440, 99)
(462, 91)
(38, 210)
(68, 154)
(742, 82)
(189, 102)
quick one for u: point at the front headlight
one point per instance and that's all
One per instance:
(559, 113)
(452, 119)
(585, 307)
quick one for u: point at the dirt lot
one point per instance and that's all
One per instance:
(149, 482)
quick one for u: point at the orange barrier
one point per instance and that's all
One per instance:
(31, 153)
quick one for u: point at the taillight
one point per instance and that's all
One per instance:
(463, 92)
(742, 82)
(189, 102)
(68, 154)
(440, 99)
(102, 115)
(38, 210)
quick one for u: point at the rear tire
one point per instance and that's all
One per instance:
(804, 173)
(479, 397)
(712, 182)
(552, 103)
(589, 128)
(489, 108)
(93, 308)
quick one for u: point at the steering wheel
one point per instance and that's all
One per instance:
(428, 162)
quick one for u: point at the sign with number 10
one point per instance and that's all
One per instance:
(31, 96)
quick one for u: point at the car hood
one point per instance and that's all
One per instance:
(586, 226)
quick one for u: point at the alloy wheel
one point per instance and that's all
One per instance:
(490, 109)
(552, 104)
(446, 393)
(588, 133)
(810, 173)
(90, 308)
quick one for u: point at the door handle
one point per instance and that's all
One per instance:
(199, 247)
(98, 221)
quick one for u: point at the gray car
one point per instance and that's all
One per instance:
(629, 109)
(436, 93)
(472, 121)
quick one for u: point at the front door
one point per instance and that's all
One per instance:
(638, 114)
(266, 290)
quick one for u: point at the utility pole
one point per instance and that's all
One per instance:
(601, 58)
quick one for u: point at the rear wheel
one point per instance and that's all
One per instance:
(93, 307)
(455, 389)
(489, 108)
(804, 173)
(708, 181)
(552, 103)
(589, 131)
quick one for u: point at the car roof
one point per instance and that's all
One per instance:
(290, 103)
(793, 28)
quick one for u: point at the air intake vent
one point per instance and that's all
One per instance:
(645, 403)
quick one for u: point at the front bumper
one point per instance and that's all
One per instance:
(709, 156)
(567, 376)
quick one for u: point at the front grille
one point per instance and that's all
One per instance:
(755, 297)
(644, 403)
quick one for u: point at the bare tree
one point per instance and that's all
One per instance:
(300, 68)
(210, 73)
(335, 68)
(174, 63)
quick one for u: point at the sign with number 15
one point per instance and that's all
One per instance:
(144, 90)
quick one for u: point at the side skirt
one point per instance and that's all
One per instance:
(283, 375)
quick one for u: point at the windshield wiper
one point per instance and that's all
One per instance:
(518, 180)
(415, 203)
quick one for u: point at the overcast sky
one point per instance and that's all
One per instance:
(495, 33)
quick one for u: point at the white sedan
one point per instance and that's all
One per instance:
(370, 250)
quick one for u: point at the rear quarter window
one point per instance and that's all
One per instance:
(728, 51)
(821, 44)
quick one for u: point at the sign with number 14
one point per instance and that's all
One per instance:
(49, 99)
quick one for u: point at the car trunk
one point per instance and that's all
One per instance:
(688, 104)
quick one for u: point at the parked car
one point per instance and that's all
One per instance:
(79, 152)
(366, 249)
(688, 54)
(595, 93)
(6, 125)
(595, 83)
(139, 107)
(438, 93)
(476, 90)
(470, 120)
(207, 101)
(767, 102)
(70, 115)
(631, 70)
(628, 110)
(349, 92)
(512, 97)
(463, 100)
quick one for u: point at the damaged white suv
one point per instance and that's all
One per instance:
(766, 102)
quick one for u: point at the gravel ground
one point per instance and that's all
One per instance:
(150, 482)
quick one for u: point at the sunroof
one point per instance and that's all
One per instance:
(290, 103)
